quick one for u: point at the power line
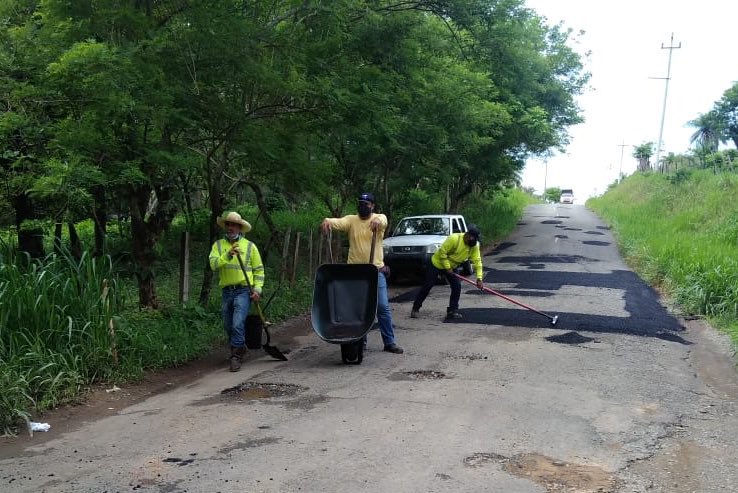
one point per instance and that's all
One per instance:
(671, 49)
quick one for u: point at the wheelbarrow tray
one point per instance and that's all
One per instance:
(344, 301)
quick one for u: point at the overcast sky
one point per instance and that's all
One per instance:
(625, 100)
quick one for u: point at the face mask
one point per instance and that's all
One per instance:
(232, 236)
(364, 210)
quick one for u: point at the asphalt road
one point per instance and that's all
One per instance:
(620, 396)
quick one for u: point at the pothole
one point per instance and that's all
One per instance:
(259, 390)
(558, 476)
(466, 356)
(570, 338)
(554, 475)
(481, 458)
(418, 375)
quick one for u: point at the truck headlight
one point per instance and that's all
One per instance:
(385, 249)
(432, 248)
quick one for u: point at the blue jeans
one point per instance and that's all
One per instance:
(234, 309)
(384, 314)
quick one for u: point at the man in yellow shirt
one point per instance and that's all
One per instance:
(236, 297)
(456, 249)
(359, 228)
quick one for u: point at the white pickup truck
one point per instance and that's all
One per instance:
(412, 243)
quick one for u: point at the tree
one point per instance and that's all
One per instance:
(727, 112)
(710, 129)
(643, 154)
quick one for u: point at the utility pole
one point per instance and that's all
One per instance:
(545, 175)
(622, 150)
(671, 49)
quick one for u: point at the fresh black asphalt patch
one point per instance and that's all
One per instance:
(646, 316)
(572, 338)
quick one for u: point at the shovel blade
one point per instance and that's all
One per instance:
(274, 352)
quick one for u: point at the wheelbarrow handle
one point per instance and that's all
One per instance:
(371, 251)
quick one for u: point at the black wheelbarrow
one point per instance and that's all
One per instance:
(345, 305)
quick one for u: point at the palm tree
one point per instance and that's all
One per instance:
(643, 154)
(709, 129)
(670, 161)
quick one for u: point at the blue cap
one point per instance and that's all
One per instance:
(368, 197)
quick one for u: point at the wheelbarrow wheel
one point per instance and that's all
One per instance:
(352, 353)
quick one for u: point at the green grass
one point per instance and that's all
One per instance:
(680, 232)
(497, 215)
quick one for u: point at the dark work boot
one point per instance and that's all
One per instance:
(236, 358)
(453, 315)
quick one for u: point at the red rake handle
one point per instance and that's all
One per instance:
(497, 293)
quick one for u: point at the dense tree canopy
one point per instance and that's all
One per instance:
(140, 106)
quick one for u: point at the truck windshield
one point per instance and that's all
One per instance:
(422, 226)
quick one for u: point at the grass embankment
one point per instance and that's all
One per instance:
(67, 324)
(680, 233)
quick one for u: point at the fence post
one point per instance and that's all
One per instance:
(295, 258)
(310, 252)
(184, 267)
(285, 251)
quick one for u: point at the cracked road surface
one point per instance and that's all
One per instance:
(620, 396)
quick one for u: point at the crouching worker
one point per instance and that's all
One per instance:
(236, 297)
(455, 250)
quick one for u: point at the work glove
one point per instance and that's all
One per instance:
(480, 284)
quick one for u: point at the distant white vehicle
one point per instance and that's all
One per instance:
(567, 198)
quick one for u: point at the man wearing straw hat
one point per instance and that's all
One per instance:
(237, 296)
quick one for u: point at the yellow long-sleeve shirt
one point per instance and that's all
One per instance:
(229, 270)
(454, 251)
(360, 237)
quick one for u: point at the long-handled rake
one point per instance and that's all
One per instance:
(553, 318)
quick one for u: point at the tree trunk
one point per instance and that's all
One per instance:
(100, 220)
(58, 237)
(145, 233)
(263, 210)
(30, 238)
(217, 200)
(75, 245)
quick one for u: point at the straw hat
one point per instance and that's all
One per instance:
(234, 217)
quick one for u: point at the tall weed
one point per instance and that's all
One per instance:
(683, 235)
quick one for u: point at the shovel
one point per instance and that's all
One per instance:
(271, 350)
(553, 319)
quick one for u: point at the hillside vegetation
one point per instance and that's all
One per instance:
(680, 233)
